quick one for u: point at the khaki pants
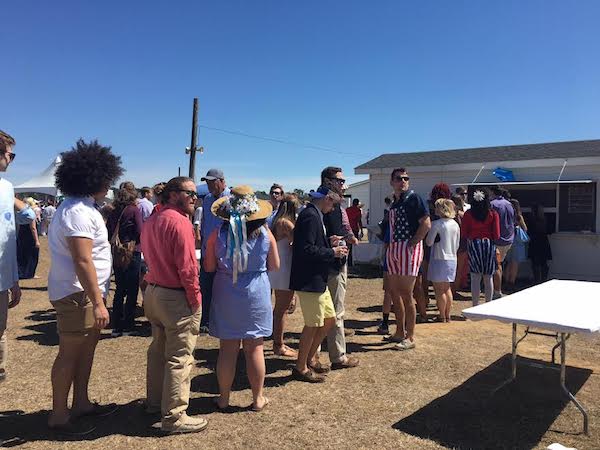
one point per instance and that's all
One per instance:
(170, 360)
(336, 339)
(3, 341)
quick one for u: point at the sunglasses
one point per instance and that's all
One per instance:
(401, 178)
(11, 156)
(338, 180)
(276, 193)
(192, 194)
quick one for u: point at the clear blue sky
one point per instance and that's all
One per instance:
(364, 78)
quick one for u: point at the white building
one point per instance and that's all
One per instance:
(562, 176)
(359, 190)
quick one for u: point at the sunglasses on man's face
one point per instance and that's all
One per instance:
(338, 180)
(401, 179)
(276, 193)
(192, 194)
(10, 156)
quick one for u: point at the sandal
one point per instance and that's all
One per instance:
(319, 368)
(256, 409)
(292, 306)
(285, 351)
(223, 409)
(309, 376)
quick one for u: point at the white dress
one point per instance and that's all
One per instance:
(280, 279)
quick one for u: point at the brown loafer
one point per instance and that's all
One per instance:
(309, 376)
(319, 368)
(351, 361)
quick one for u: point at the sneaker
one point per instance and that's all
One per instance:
(187, 424)
(383, 328)
(116, 333)
(128, 332)
(497, 295)
(406, 344)
(203, 329)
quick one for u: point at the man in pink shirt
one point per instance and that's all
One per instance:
(172, 305)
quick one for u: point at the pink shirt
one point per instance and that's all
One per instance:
(169, 249)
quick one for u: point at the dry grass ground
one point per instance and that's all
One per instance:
(436, 396)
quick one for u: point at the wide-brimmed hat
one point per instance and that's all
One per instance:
(242, 202)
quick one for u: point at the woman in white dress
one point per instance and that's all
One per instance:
(283, 230)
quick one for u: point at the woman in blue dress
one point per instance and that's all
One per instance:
(241, 251)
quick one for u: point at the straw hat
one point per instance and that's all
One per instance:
(243, 201)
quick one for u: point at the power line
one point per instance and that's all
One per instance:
(285, 142)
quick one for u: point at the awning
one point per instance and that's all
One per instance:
(505, 183)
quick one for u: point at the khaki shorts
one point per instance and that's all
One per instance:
(502, 251)
(316, 307)
(74, 314)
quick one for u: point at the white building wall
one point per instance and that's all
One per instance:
(361, 192)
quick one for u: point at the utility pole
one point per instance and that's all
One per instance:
(193, 148)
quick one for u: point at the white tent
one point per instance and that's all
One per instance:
(42, 183)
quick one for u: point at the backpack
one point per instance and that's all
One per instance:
(122, 253)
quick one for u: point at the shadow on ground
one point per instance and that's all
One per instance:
(517, 416)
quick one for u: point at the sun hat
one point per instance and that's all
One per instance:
(213, 174)
(239, 208)
(242, 202)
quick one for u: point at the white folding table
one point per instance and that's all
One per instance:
(562, 307)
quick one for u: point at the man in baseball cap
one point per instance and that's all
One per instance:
(212, 175)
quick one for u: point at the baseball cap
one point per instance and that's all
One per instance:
(213, 174)
(321, 192)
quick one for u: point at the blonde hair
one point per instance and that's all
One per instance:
(445, 208)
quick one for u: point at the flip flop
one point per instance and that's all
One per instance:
(222, 409)
(255, 409)
(286, 352)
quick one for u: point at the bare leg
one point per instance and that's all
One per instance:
(406, 286)
(475, 287)
(255, 362)
(440, 299)
(63, 373)
(81, 400)
(282, 303)
(306, 342)
(421, 295)
(449, 299)
(226, 363)
(394, 285)
(319, 336)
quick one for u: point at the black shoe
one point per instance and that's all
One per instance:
(203, 329)
(383, 328)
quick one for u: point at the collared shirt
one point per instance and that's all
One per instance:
(506, 213)
(9, 273)
(77, 217)
(145, 206)
(405, 214)
(210, 222)
(169, 250)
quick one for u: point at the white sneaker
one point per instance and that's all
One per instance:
(406, 344)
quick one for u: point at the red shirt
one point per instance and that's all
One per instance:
(471, 228)
(354, 217)
(169, 249)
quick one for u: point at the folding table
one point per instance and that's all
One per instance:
(563, 307)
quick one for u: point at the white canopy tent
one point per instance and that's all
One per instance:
(43, 183)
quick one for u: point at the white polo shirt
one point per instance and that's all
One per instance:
(77, 217)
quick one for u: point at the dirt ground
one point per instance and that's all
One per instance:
(436, 396)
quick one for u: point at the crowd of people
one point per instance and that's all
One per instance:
(250, 248)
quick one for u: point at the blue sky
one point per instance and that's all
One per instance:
(363, 78)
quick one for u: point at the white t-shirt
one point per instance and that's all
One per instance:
(77, 217)
(198, 216)
(449, 233)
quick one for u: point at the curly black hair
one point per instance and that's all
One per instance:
(87, 169)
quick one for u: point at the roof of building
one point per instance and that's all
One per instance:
(550, 150)
(358, 183)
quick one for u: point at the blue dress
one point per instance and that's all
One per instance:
(242, 310)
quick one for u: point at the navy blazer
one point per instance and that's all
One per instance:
(312, 256)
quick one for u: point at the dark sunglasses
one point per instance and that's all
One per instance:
(11, 156)
(338, 180)
(401, 178)
(276, 193)
(192, 194)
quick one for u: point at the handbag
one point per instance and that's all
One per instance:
(122, 253)
(521, 235)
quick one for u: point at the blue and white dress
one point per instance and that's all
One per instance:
(242, 310)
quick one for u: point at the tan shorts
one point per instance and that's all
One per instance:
(74, 314)
(502, 251)
(316, 307)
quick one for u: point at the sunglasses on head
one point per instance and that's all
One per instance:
(401, 178)
(11, 156)
(338, 180)
(192, 194)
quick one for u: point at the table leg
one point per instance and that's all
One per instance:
(563, 357)
(513, 372)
